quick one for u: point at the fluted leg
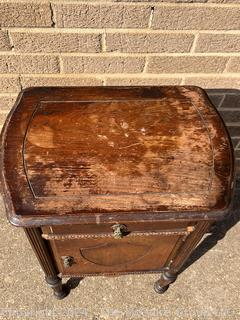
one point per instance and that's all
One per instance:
(41, 250)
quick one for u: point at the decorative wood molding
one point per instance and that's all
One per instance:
(78, 275)
(61, 236)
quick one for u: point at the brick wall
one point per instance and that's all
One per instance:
(104, 42)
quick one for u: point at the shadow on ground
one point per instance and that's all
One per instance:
(219, 230)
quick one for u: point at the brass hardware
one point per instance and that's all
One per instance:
(67, 261)
(119, 230)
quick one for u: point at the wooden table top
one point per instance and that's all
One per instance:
(81, 154)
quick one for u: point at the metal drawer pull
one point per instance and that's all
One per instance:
(119, 230)
(68, 261)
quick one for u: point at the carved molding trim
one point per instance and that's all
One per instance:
(62, 236)
(79, 275)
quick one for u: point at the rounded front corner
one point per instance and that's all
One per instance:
(15, 220)
(194, 88)
(29, 90)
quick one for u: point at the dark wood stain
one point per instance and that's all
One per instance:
(80, 152)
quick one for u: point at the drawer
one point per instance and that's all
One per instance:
(94, 228)
(135, 252)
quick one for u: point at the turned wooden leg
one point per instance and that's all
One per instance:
(41, 250)
(189, 243)
(60, 291)
(162, 284)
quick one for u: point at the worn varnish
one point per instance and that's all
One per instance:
(115, 180)
(117, 148)
(88, 151)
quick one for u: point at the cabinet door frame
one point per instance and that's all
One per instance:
(68, 241)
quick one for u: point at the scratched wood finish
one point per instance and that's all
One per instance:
(76, 161)
(117, 148)
(72, 155)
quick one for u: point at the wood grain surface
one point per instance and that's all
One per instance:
(106, 153)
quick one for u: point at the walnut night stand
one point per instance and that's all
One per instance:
(115, 180)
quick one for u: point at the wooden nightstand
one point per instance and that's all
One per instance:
(115, 180)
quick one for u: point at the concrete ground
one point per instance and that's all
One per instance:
(208, 289)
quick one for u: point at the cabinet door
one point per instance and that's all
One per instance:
(144, 252)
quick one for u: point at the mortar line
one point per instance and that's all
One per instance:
(229, 109)
(232, 124)
(103, 42)
(104, 82)
(151, 17)
(123, 54)
(145, 64)
(137, 74)
(237, 146)
(53, 17)
(193, 47)
(61, 69)
(221, 101)
(182, 81)
(8, 94)
(20, 82)
(226, 65)
(118, 30)
(143, 3)
(10, 40)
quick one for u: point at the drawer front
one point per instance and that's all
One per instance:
(106, 255)
(96, 228)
